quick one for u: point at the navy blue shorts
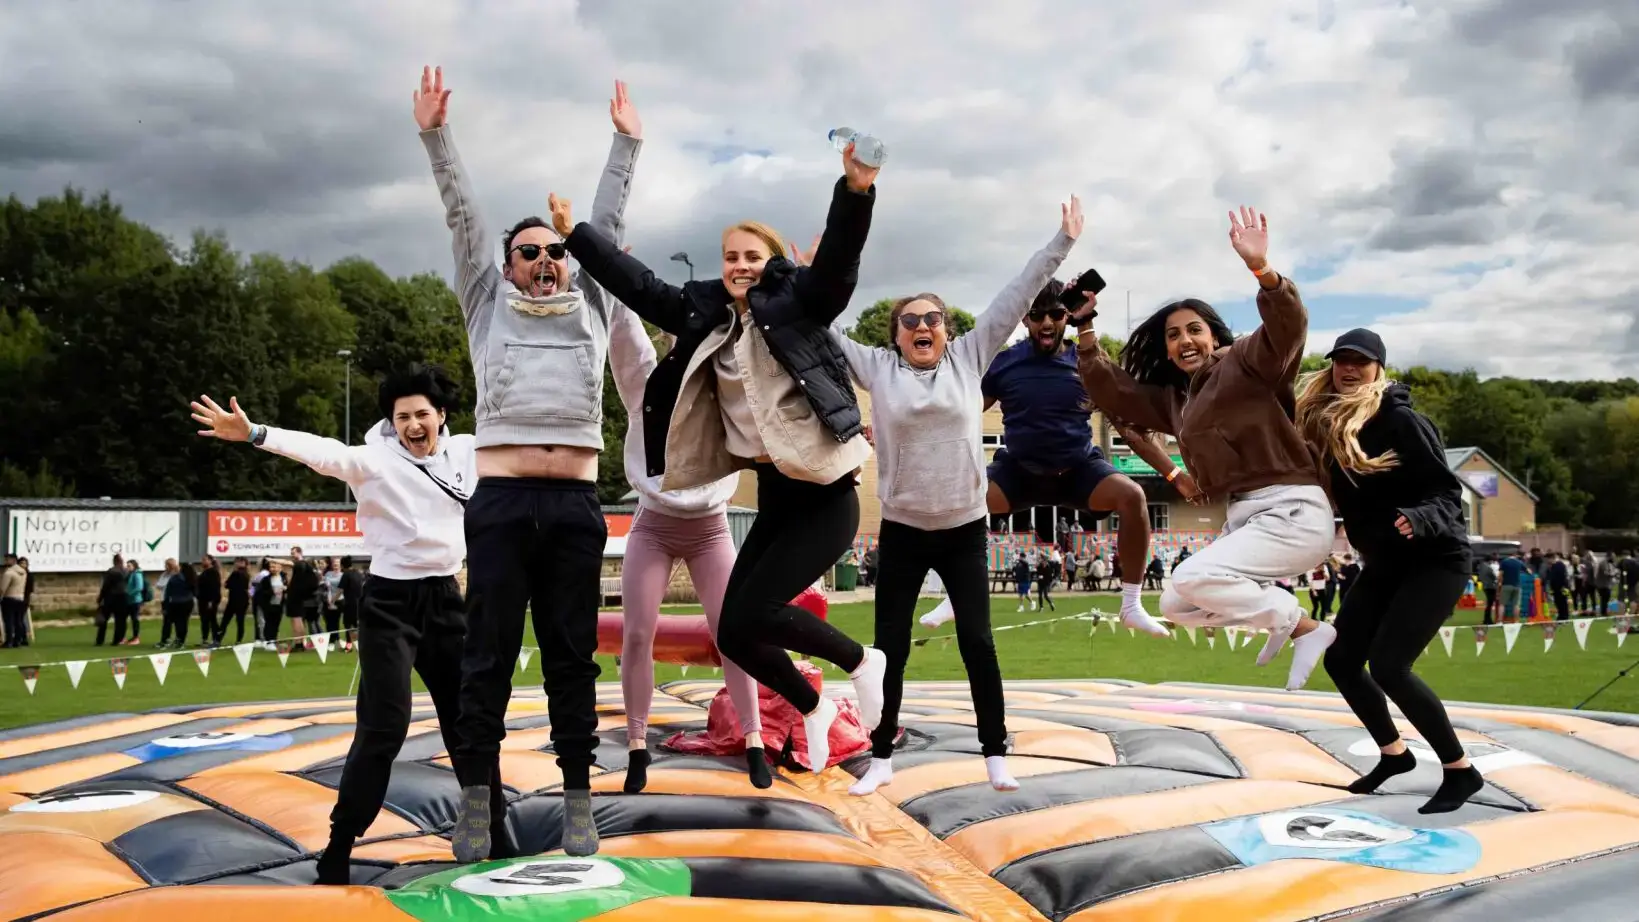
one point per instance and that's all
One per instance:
(1069, 487)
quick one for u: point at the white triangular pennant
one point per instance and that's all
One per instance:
(685, 669)
(1622, 629)
(1548, 632)
(1479, 640)
(162, 665)
(76, 668)
(1111, 623)
(1131, 632)
(322, 647)
(202, 659)
(1190, 630)
(1510, 633)
(523, 659)
(242, 652)
(118, 667)
(1211, 639)
(1447, 635)
(283, 647)
(1581, 626)
(1234, 634)
(31, 676)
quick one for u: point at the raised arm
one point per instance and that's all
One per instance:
(1118, 394)
(1274, 351)
(619, 273)
(1009, 306)
(476, 274)
(823, 288)
(614, 187)
(863, 360)
(631, 356)
(329, 457)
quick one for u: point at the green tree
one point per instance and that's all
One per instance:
(872, 326)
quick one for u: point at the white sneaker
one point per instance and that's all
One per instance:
(880, 773)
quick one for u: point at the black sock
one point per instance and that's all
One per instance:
(637, 770)
(1458, 785)
(1387, 767)
(757, 767)
(334, 865)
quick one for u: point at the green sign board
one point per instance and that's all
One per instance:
(1134, 466)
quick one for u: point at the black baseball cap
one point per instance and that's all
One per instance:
(1360, 340)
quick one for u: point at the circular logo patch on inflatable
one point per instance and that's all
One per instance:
(85, 801)
(1312, 829)
(197, 740)
(1348, 836)
(556, 889)
(185, 743)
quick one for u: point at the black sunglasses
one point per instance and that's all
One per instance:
(532, 251)
(912, 321)
(1056, 313)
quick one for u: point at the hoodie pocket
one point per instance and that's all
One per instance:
(549, 379)
(934, 477)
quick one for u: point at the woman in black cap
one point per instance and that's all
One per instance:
(1402, 509)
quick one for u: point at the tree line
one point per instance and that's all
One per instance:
(108, 329)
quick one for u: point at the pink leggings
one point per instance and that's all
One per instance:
(655, 543)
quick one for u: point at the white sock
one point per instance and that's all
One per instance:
(868, 687)
(1032, 604)
(817, 727)
(1306, 653)
(1133, 614)
(941, 614)
(1000, 778)
(1277, 639)
(880, 773)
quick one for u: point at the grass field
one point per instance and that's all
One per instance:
(1562, 677)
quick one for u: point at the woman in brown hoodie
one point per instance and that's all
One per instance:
(1229, 403)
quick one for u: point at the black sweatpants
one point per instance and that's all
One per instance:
(534, 543)
(801, 530)
(235, 612)
(1391, 613)
(408, 624)
(207, 618)
(12, 611)
(176, 617)
(960, 556)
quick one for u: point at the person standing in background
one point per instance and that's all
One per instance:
(176, 606)
(238, 586)
(1346, 575)
(332, 599)
(12, 580)
(352, 593)
(302, 593)
(1485, 572)
(137, 592)
(208, 590)
(111, 601)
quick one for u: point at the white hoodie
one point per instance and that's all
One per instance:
(412, 527)
(632, 358)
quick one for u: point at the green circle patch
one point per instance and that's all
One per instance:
(556, 889)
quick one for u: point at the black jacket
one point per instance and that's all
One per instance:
(1421, 487)
(794, 306)
(238, 584)
(209, 587)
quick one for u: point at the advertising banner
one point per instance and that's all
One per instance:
(272, 533)
(86, 540)
(1482, 482)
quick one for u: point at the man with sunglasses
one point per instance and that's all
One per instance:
(1049, 458)
(534, 529)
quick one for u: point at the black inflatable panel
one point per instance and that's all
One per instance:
(953, 809)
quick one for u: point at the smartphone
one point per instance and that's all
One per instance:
(1075, 295)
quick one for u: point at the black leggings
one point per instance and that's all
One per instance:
(176, 618)
(960, 556)
(1390, 615)
(1044, 585)
(235, 612)
(801, 530)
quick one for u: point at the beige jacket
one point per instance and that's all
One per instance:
(797, 441)
(12, 582)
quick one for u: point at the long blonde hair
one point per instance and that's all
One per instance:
(1330, 422)
(769, 236)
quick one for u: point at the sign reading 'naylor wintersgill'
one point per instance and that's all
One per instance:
(86, 540)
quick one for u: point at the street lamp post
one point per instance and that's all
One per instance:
(683, 258)
(347, 427)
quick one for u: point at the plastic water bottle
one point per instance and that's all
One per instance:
(868, 151)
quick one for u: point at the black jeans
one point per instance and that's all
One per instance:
(12, 610)
(532, 543)
(1391, 614)
(1562, 602)
(802, 530)
(960, 556)
(272, 614)
(176, 617)
(408, 624)
(235, 612)
(207, 618)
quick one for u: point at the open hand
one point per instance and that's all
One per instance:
(1187, 488)
(1249, 235)
(432, 101)
(805, 257)
(561, 220)
(231, 425)
(859, 176)
(1073, 220)
(624, 114)
(1404, 524)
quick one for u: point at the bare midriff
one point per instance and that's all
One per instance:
(560, 462)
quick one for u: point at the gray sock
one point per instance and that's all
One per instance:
(580, 831)
(470, 841)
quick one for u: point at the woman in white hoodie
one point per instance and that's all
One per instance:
(926, 411)
(412, 480)
(691, 525)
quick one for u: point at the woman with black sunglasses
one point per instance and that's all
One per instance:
(926, 413)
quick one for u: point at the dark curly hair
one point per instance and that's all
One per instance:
(1145, 354)
(429, 381)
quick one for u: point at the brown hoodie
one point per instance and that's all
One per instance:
(1234, 426)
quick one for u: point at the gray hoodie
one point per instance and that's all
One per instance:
(538, 361)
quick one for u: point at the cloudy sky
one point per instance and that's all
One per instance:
(1463, 175)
